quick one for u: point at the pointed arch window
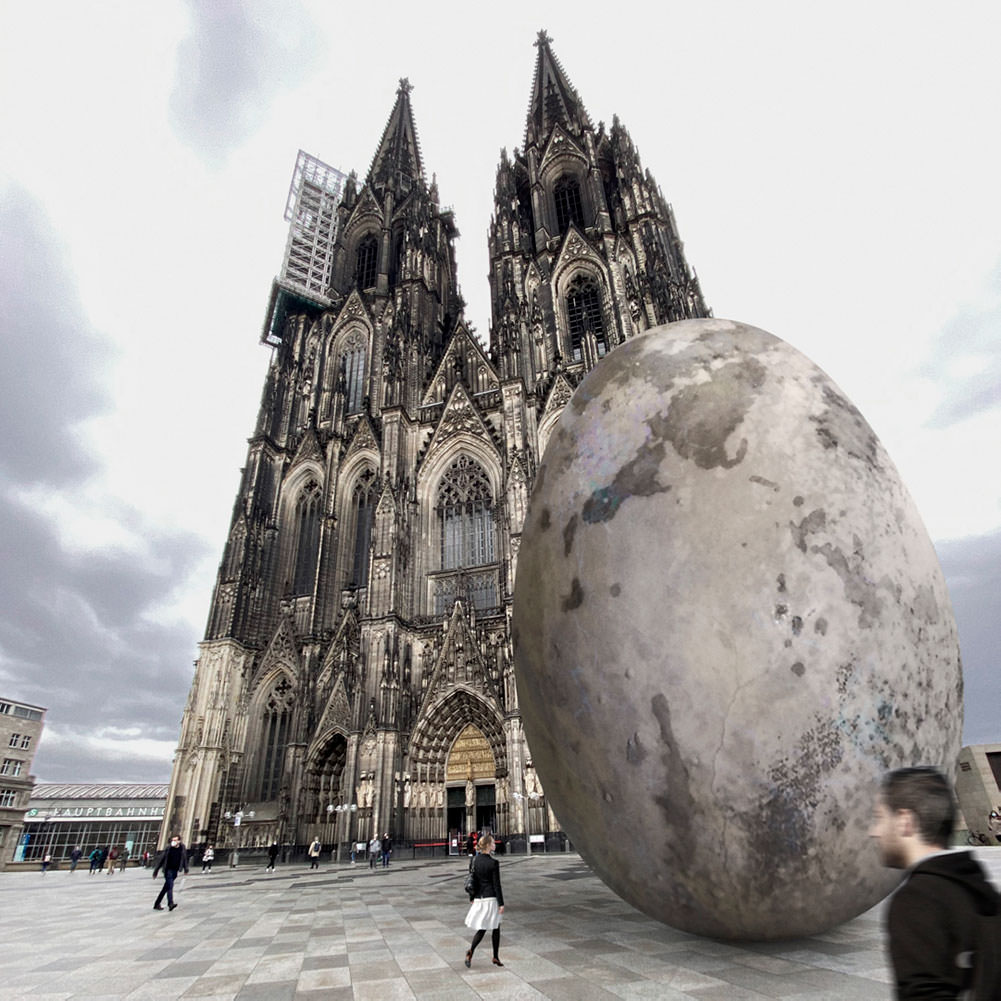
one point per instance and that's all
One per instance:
(465, 515)
(568, 204)
(367, 261)
(584, 316)
(353, 360)
(307, 547)
(363, 508)
(276, 725)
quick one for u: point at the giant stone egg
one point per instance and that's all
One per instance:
(729, 621)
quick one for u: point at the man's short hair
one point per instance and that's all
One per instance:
(926, 792)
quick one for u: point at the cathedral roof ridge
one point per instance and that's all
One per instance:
(398, 157)
(553, 98)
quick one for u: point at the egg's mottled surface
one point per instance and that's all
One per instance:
(729, 621)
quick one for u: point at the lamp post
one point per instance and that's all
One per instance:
(236, 819)
(344, 808)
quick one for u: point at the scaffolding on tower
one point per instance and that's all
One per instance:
(311, 211)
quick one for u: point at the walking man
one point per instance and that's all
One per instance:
(173, 859)
(933, 915)
(387, 848)
(374, 851)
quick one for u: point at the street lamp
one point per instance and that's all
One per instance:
(236, 819)
(341, 808)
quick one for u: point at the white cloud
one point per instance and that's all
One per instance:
(833, 171)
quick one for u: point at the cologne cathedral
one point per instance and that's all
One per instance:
(356, 675)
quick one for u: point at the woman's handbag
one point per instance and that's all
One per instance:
(469, 887)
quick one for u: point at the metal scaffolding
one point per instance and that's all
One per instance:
(311, 209)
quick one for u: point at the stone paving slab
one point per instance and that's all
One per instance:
(343, 933)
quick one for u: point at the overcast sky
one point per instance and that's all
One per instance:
(836, 176)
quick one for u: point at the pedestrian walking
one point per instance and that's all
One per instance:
(487, 904)
(935, 917)
(75, 856)
(272, 856)
(374, 850)
(172, 860)
(387, 849)
(208, 857)
(46, 859)
(314, 853)
(96, 858)
(112, 860)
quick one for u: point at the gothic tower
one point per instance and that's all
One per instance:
(356, 674)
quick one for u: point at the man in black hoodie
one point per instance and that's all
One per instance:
(172, 860)
(933, 915)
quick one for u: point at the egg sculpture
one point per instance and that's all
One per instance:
(729, 622)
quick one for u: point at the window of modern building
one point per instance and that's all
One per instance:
(465, 512)
(584, 316)
(363, 509)
(11, 767)
(307, 516)
(366, 261)
(568, 205)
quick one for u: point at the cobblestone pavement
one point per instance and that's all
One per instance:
(347, 932)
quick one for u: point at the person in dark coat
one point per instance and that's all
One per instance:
(488, 899)
(932, 918)
(172, 860)
(387, 849)
(75, 856)
(272, 856)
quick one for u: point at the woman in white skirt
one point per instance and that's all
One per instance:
(488, 901)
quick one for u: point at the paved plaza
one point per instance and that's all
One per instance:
(350, 932)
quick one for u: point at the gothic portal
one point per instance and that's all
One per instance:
(356, 674)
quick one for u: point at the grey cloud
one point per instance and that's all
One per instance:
(78, 635)
(78, 631)
(972, 569)
(50, 359)
(237, 57)
(976, 333)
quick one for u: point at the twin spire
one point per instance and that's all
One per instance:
(553, 101)
(397, 161)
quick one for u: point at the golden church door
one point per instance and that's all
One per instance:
(469, 778)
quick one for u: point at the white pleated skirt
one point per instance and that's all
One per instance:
(483, 913)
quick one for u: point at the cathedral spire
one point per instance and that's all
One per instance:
(397, 161)
(554, 99)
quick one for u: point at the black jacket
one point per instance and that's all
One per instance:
(931, 924)
(487, 872)
(172, 859)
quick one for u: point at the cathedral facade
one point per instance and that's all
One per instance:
(356, 675)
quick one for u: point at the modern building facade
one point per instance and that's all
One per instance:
(20, 731)
(356, 674)
(978, 790)
(60, 816)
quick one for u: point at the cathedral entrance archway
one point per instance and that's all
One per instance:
(322, 786)
(469, 778)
